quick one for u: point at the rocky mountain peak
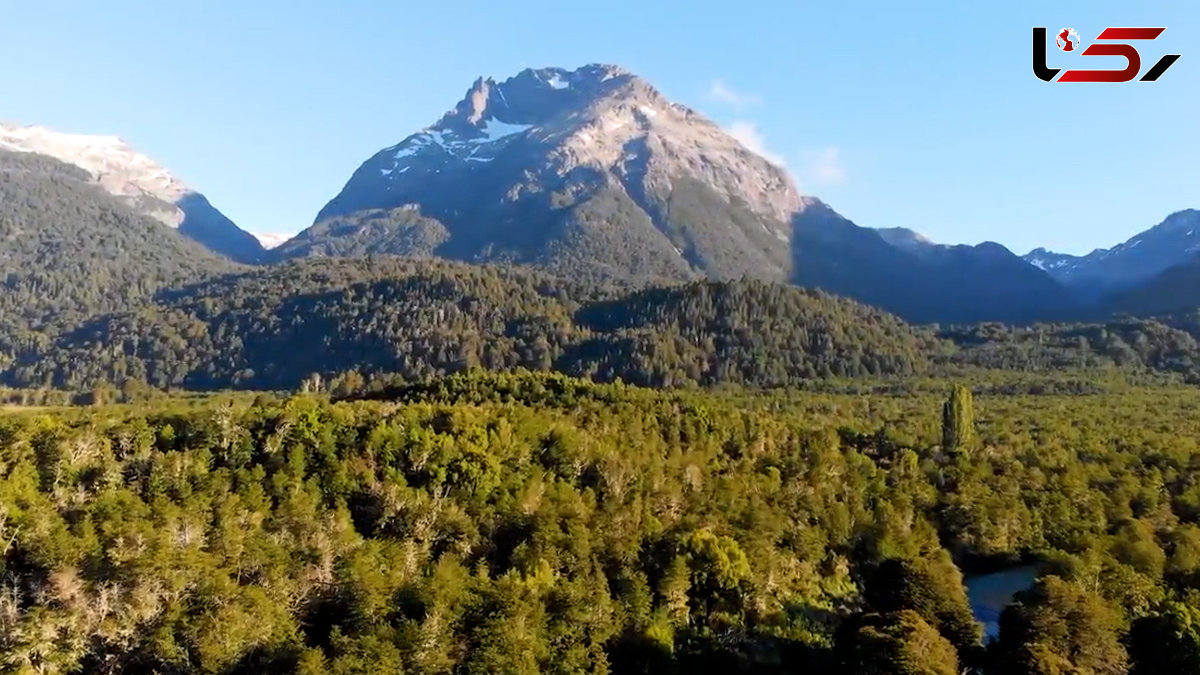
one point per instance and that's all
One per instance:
(1179, 222)
(556, 123)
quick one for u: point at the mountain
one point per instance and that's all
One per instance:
(69, 249)
(590, 172)
(1176, 289)
(593, 174)
(1172, 242)
(906, 239)
(922, 281)
(139, 181)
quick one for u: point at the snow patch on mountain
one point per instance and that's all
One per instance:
(270, 239)
(454, 142)
(494, 130)
(1046, 264)
(118, 168)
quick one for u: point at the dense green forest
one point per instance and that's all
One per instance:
(273, 328)
(347, 323)
(535, 523)
(71, 251)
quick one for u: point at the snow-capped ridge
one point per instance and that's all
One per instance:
(114, 165)
(1144, 255)
(143, 184)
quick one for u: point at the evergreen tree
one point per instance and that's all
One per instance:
(958, 421)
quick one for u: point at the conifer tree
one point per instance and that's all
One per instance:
(958, 421)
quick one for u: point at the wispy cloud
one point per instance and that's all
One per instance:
(824, 166)
(723, 93)
(747, 133)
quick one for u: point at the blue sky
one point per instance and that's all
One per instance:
(921, 114)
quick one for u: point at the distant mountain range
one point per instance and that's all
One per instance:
(1175, 241)
(593, 175)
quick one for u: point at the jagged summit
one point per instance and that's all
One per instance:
(140, 181)
(598, 117)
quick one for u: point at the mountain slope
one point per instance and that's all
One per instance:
(1172, 242)
(68, 249)
(906, 239)
(917, 279)
(1176, 289)
(139, 181)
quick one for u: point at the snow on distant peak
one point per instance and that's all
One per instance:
(108, 158)
(118, 168)
(271, 239)
(557, 82)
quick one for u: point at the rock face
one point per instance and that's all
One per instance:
(141, 182)
(593, 173)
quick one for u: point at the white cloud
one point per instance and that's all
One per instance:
(747, 133)
(723, 93)
(824, 166)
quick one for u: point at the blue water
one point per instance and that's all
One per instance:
(989, 594)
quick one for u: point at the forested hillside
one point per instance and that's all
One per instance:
(349, 324)
(1166, 344)
(71, 250)
(273, 328)
(539, 524)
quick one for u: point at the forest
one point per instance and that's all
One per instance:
(531, 522)
(352, 324)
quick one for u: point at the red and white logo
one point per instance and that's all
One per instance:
(1068, 40)
(1110, 42)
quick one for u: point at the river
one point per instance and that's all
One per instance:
(989, 594)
